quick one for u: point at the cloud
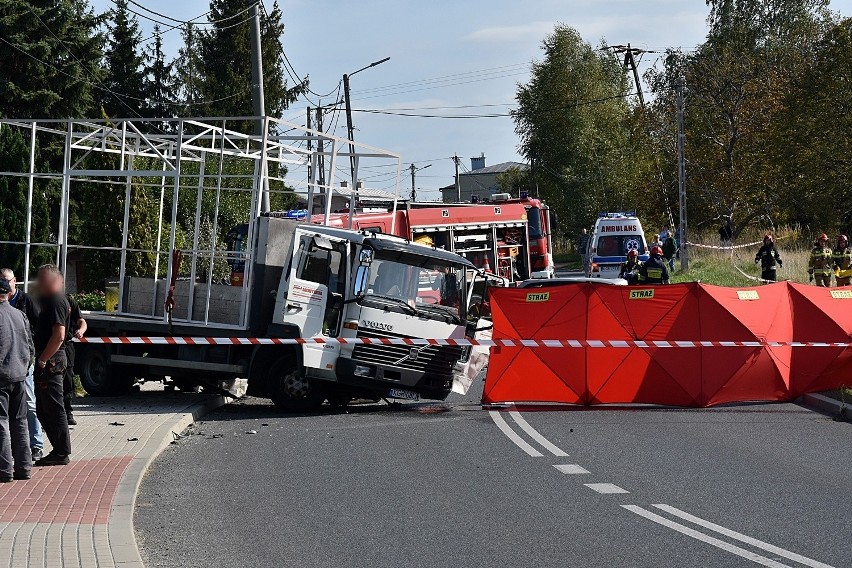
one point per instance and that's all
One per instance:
(512, 33)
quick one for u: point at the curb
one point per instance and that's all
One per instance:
(826, 404)
(122, 536)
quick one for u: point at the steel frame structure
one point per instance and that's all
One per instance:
(164, 150)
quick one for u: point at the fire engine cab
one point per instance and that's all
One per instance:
(509, 237)
(613, 236)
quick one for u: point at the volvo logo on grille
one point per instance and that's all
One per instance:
(413, 354)
(377, 325)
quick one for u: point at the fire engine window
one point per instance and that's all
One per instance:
(534, 220)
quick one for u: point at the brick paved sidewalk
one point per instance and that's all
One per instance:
(82, 514)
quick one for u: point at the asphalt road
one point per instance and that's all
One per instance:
(427, 485)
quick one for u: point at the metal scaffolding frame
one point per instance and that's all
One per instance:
(166, 155)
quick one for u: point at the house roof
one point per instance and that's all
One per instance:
(497, 169)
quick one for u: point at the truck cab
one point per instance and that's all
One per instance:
(360, 285)
(613, 236)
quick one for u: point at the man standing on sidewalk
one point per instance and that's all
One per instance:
(76, 330)
(22, 301)
(50, 338)
(16, 352)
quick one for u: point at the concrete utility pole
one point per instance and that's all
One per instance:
(257, 97)
(458, 185)
(414, 169)
(321, 149)
(310, 147)
(681, 175)
(350, 129)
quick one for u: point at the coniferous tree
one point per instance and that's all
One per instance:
(124, 66)
(189, 71)
(226, 62)
(49, 58)
(160, 87)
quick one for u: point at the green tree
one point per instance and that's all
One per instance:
(573, 123)
(50, 56)
(226, 62)
(159, 85)
(189, 71)
(124, 66)
(813, 142)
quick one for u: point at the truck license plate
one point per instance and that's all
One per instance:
(403, 394)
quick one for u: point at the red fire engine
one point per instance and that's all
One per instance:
(507, 236)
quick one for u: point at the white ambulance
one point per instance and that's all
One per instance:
(614, 235)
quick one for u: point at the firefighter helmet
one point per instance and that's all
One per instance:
(842, 239)
(632, 254)
(768, 239)
(822, 237)
(657, 250)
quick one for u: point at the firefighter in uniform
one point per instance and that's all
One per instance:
(630, 267)
(768, 259)
(842, 261)
(654, 270)
(821, 262)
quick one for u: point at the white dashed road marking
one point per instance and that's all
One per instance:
(743, 538)
(535, 435)
(605, 488)
(571, 469)
(520, 442)
(742, 552)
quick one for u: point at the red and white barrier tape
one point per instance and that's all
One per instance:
(573, 343)
(730, 247)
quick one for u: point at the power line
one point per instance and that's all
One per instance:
(443, 85)
(393, 112)
(440, 78)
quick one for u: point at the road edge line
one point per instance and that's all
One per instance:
(504, 427)
(121, 529)
(535, 434)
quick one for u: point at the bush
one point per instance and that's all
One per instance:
(91, 301)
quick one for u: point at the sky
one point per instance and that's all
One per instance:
(446, 53)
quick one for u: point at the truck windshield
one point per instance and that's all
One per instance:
(435, 291)
(534, 220)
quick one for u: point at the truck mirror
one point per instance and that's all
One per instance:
(366, 256)
(361, 279)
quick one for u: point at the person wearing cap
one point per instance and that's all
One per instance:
(821, 262)
(654, 270)
(16, 352)
(768, 259)
(26, 304)
(842, 261)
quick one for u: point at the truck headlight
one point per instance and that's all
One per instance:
(363, 371)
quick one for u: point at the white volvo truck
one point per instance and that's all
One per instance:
(310, 282)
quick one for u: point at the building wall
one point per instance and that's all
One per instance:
(483, 185)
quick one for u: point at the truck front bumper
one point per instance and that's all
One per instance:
(380, 379)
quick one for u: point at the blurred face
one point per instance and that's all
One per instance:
(49, 283)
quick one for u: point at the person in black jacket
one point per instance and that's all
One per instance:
(654, 270)
(16, 352)
(768, 259)
(25, 303)
(630, 267)
(50, 338)
(76, 330)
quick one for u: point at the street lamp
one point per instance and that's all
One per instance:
(351, 132)
(414, 169)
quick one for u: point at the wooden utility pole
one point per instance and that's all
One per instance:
(681, 175)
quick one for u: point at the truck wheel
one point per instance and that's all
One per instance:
(292, 391)
(98, 375)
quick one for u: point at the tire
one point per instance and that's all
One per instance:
(292, 391)
(97, 374)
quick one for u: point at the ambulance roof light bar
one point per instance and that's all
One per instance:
(616, 215)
